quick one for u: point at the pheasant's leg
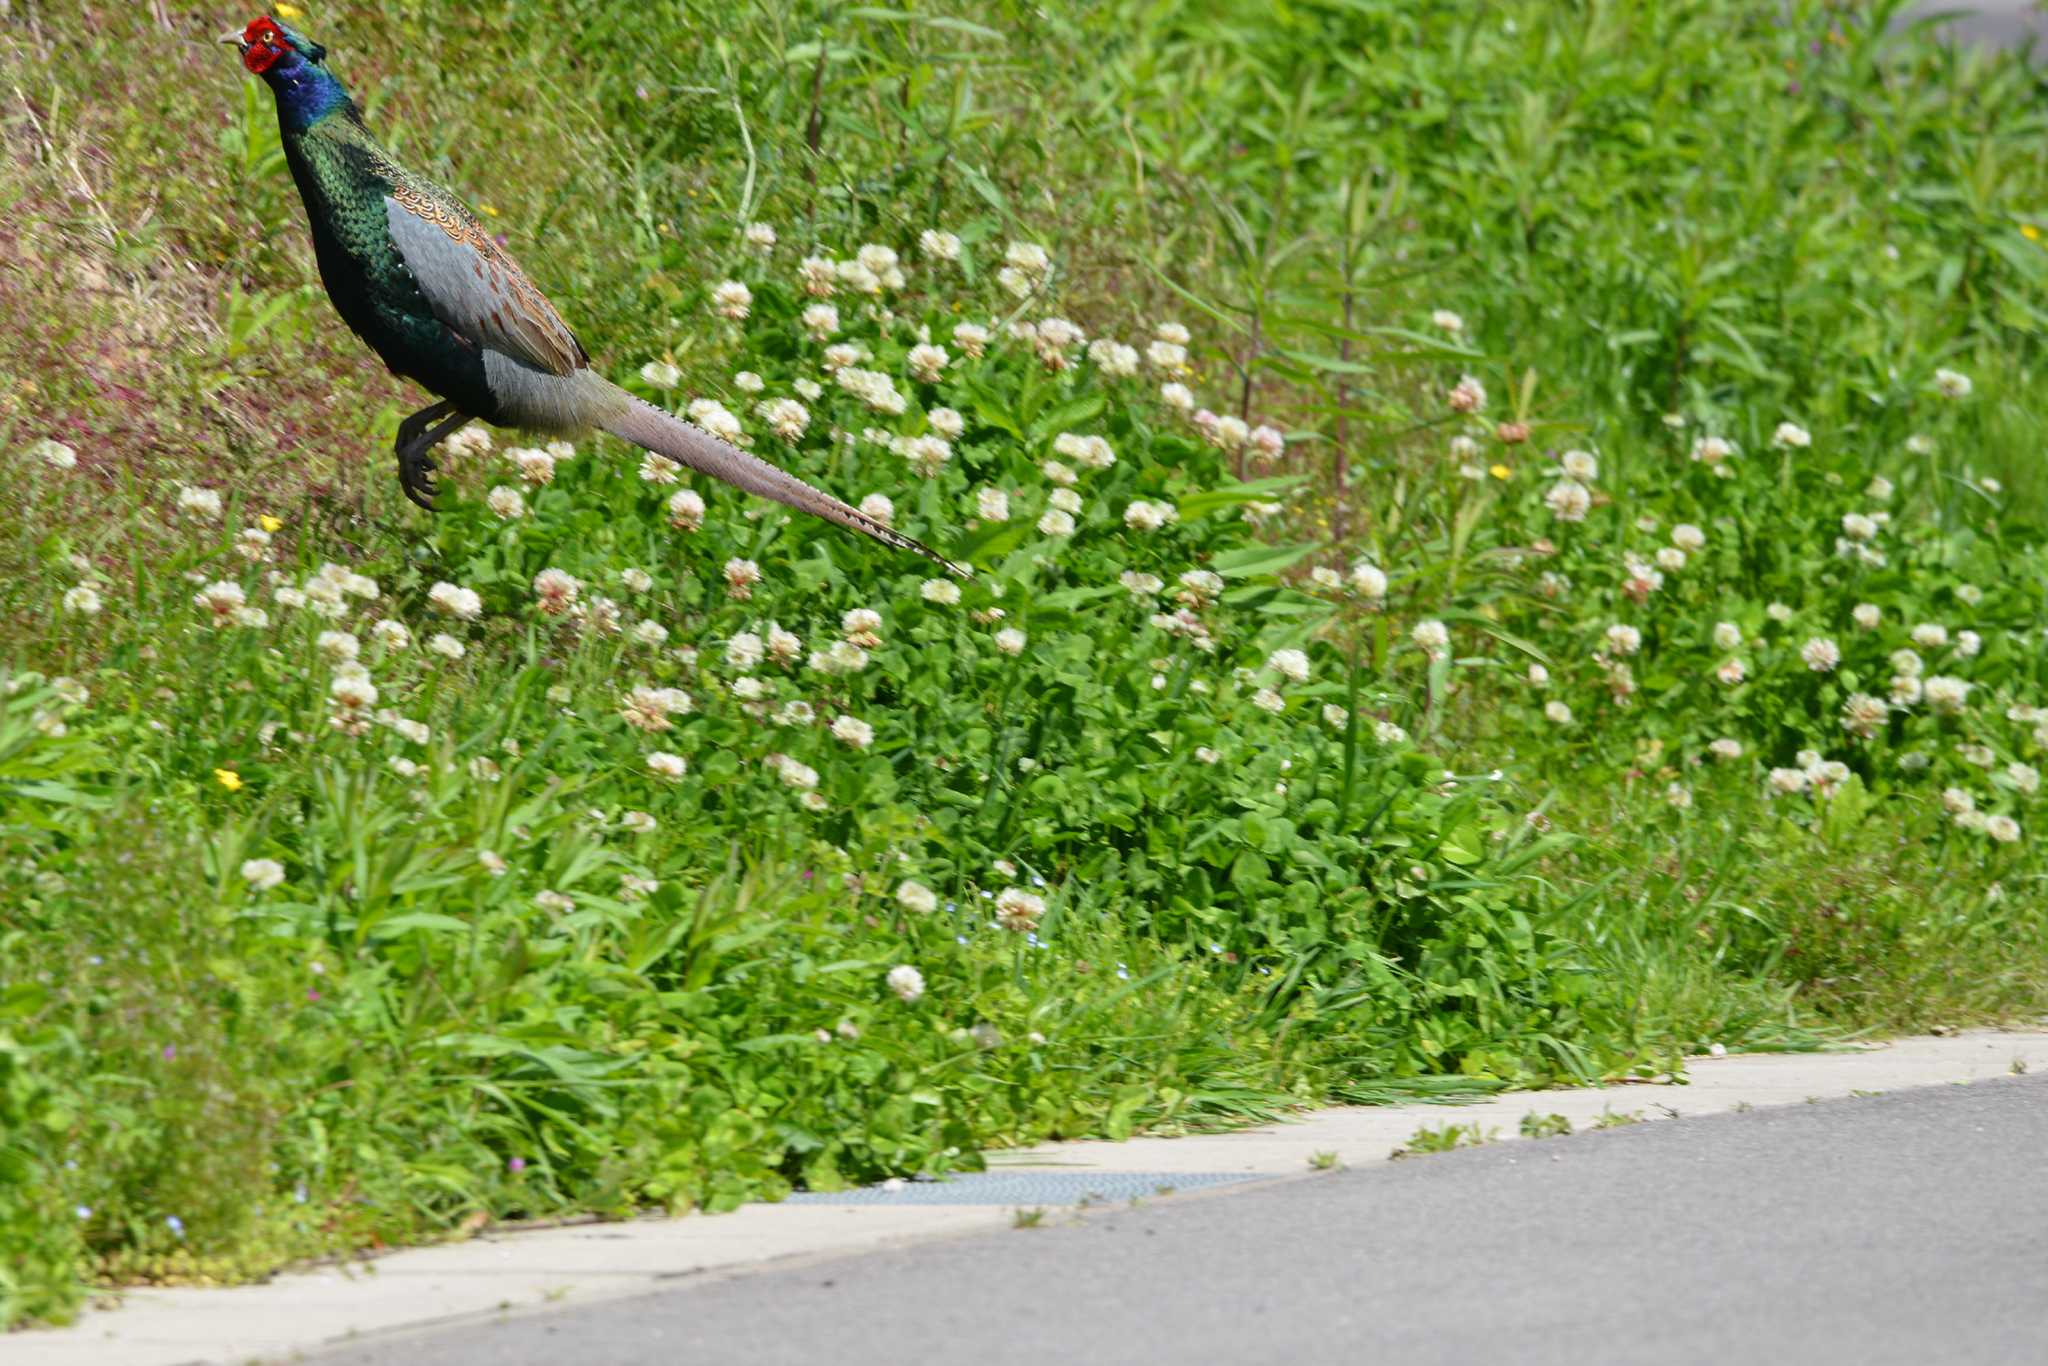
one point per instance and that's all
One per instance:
(415, 439)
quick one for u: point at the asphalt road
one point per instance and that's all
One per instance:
(1908, 1228)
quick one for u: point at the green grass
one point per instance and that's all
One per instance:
(1408, 882)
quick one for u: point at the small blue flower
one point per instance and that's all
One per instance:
(960, 939)
(84, 1211)
(175, 1224)
(1037, 881)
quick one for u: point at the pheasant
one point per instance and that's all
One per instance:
(413, 273)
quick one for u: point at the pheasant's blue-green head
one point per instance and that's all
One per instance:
(295, 68)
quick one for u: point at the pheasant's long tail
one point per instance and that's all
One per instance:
(649, 427)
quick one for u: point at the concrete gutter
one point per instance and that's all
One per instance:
(507, 1271)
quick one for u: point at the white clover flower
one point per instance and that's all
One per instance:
(1582, 466)
(55, 454)
(1056, 523)
(1866, 615)
(906, 981)
(927, 454)
(1821, 654)
(796, 775)
(472, 440)
(714, 418)
(927, 362)
(262, 873)
(686, 510)
(1727, 635)
(1671, 558)
(505, 502)
(391, 635)
(1778, 612)
(760, 236)
(992, 505)
(938, 246)
(666, 766)
(202, 503)
(1726, 750)
(1113, 358)
(1468, 395)
(1968, 644)
(878, 506)
(731, 299)
(947, 422)
(557, 591)
(1335, 717)
(944, 592)
(1879, 489)
(650, 633)
(871, 387)
(1858, 527)
(1863, 714)
(1712, 450)
(1019, 911)
(1177, 396)
(785, 417)
(1265, 443)
(1787, 781)
(862, 626)
(1369, 581)
(740, 578)
(1624, 640)
(1447, 321)
(1952, 384)
(83, 601)
(1139, 584)
(1066, 500)
(1539, 677)
(915, 897)
(1791, 435)
(1144, 516)
(661, 374)
(1227, 433)
(744, 651)
(2002, 828)
(1929, 635)
(1568, 500)
(1731, 672)
(1688, 537)
(747, 382)
(1948, 695)
(535, 466)
(853, 731)
(1431, 635)
(1557, 713)
(971, 338)
(222, 598)
(1010, 640)
(447, 646)
(820, 321)
(1265, 699)
(352, 693)
(1289, 664)
(2025, 777)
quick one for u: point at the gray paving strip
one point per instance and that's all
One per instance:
(510, 1272)
(1020, 1189)
(1896, 1230)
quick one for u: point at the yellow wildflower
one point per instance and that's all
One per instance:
(228, 779)
(1500, 471)
(270, 523)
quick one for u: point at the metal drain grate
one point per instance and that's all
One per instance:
(1025, 1188)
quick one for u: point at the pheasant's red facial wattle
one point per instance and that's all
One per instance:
(263, 45)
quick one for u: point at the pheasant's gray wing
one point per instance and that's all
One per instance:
(477, 290)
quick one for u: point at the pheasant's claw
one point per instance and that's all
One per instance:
(416, 476)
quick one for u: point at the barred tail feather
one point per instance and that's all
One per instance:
(649, 427)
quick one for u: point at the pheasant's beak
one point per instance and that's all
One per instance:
(235, 38)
